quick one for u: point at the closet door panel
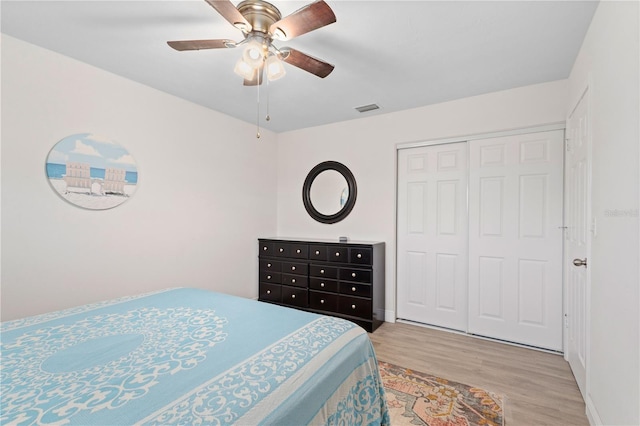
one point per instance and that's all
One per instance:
(515, 238)
(432, 235)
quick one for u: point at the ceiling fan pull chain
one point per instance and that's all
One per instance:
(268, 117)
(258, 108)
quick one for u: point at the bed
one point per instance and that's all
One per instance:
(188, 356)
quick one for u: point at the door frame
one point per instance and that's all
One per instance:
(559, 125)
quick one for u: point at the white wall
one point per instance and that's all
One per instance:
(205, 190)
(608, 64)
(367, 147)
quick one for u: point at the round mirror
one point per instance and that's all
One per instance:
(329, 192)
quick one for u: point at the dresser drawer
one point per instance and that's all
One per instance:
(338, 254)
(323, 301)
(355, 275)
(270, 265)
(295, 280)
(295, 296)
(270, 292)
(298, 251)
(363, 290)
(354, 306)
(323, 284)
(270, 277)
(323, 271)
(317, 252)
(295, 268)
(360, 256)
(267, 248)
(280, 249)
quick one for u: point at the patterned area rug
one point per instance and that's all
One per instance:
(416, 398)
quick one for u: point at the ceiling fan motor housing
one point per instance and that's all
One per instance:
(260, 14)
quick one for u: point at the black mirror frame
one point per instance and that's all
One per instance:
(351, 183)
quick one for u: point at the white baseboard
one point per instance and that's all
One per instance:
(592, 413)
(389, 316)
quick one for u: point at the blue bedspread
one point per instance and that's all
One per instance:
(188, 356)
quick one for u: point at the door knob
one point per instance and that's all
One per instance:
(580, 262)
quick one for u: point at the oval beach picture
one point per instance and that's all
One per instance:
(91, 171)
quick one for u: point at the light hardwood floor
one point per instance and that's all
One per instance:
(538, 387)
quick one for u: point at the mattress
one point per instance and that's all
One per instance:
(188, 356)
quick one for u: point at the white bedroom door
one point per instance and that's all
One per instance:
(432, 235)
(515, 238)
(577, 239)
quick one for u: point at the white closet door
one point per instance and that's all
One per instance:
(515, 238)
(432, 235)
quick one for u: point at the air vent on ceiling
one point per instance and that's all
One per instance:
(365, 108)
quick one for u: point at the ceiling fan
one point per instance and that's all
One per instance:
(261, 23)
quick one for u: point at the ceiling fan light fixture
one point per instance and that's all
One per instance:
(275, 69)
(244, 70)
(254, 53)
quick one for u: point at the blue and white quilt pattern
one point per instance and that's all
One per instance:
(187, 356)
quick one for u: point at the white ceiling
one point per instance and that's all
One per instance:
(397, 54)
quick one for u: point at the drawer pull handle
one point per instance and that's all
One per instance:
(353, 289)
(321, 284)
(268, 265)
(359, 256)
(322, 301)
(293, 280)
(265, 248)
(322, 271)
(353, 274)
(337, 254)
(293, 268)
(353, 306)
(268, 291)
(293, 296)
(281, 250)
(298, 251)
(268, 277)
(317, 252)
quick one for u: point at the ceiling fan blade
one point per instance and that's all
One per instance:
(306, 62)
(256, 80)
(201, 44)
(231, 14)
(311, 17)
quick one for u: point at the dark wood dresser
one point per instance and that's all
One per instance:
(332, 278)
